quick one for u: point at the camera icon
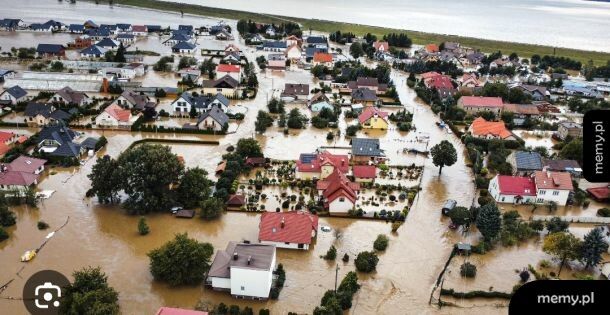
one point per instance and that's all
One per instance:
(47, 295)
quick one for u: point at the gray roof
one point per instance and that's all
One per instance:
(217, 114)
(261, 258)
(275, 44)
(528, 160)
(226, 81)
(107, 42)
(561, 165)
(364, 94)
(366, 147)
(184, 45)
(202, 101)
(33, 109)
(64, 136)
(89, 143)
(60, 115)
(310, 51)
(49, 48)
(16, 91)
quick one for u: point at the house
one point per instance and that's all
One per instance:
(11, 24)
(470, 80)
(381, 46)
(114, 116)
(58, 140)
(224, 35)
(246, 270)
(373, 118)
(108, 43)
(311, 51)
(293, 40)
(132, 100)
(443, 85)
(153, 28)
(365, 96)
(38, 27)
(538, 93)
(123, 28)
(187, 29)
(569, 166)
(276, 62)
(176, 38)
(553, 187)
(338, 194)
(292, 230)
(475, 58)
(513, 189)
(431, 48)
(42, 114)
(97, 33)
(232, 58)
(7, 137)
(213, 119)
(14, 94)
(320, 165)
(316, 42)
(476, 104)
(50, 51)
(226, 85)
(258, 161)
(6, 74)
(569, 129)
(601, 194)
(178, 311)
(318, 97)
(76, 28)
(139, 30)
(201, 103)
(319, 106)
(323, 59)
(368, 83)
(126, 38)
(184, 48)
(69, 96)
(294, 52)
(501, 62)
(190, 74)
(524, 163)
(270, 30)
(233, 71)
(366, 151)
(93, 51)
(364, 173)
(293, 91)
(274, 46)
(22, 173)
(522, 112)
(481, 128)
(236, 201)
(231, 49)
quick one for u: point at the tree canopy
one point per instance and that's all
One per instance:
(443, 154)
(90, 294)
(194, 187)
(489, 221)
(563, 245)
(593, 247)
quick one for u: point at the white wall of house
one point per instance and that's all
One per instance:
(340, 205)
(234, 75)
(104, 119)
(286, 245)
(221, 283)
(326, 170)
(8, 97)
(252, 282)
(556, 195)
(181, 105)
(230, 93)
(15, 188)
(209, 123)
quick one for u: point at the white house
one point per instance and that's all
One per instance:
(294, 52)
(69, 96)
(553, 187)
(513, 189)
(213, 119)
(21, 173)
(14, 94)
(245, 270)
(338, 194)
(202, 103)
(114, 116)
(293, 230)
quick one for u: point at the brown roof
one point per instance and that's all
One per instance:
(561, 165)
(260, 256)
(71, 96)
(26, 164)
(553, 180)
(296, 89)
(523, 109)
(236, 200)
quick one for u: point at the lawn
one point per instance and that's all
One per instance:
(523, 50)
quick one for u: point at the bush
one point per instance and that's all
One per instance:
(345, 257)
(43, 225)
(483, 200)
(468, 270)
(143, 228)
(331, 254)
(524, 275)
(366, 261)
(603, 212)
(3, 234)
(381, 243)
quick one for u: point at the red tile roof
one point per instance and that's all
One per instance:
(429, 75)
(432, 48)
(370, 112)
(364, 171)
(599, 193)
(322, 57)
(553, 180)
(439, 82)
(297, 227)
(516, 185)
(339, 161)
(4, 148)
(337, 185)
(6, 136)
(9, 178)
(378, 44)
(481, 101)
(115, 111)
(22, 139)
(236, 200)
(178, 311)
(139, 28)
(227, 68)
(481, 128)
(26, 164)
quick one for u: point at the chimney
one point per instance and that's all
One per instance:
(283, 223)
(249, 259)
(235, 256)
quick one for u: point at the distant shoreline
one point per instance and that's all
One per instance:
(419, 38)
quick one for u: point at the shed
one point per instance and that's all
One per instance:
(186, 214)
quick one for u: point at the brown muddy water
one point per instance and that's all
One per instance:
(104, 236)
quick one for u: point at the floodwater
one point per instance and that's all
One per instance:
(98, 235)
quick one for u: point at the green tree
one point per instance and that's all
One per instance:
(564, 246)
(460, 215)
(89, 294)
(381, 243)
(147, 171)
(556, 224)
(143, 228)
(3, 234)
(572, 150)
(57, 66)
(181, 261)
(263, 121)
(468, 270)
(248, 147)
(105, 180)
(443, 154)
(276, 106)
(7, 217)
(366, 261)
(194, 187)
(356, 50)
(211, 208)
(489, 221)
(120, 54)
(593, 247)
(331, 254)
(296, 120)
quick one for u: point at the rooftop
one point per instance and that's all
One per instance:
(244, 256)
(288, 227)
(553, 180)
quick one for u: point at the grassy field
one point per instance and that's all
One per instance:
(523, 50)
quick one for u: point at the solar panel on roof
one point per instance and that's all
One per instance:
(307, 157)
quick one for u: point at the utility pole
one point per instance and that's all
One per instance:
(336, 277)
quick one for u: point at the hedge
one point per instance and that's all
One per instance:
(476, 294)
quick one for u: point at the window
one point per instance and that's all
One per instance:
(301, 246)
(243, 288)
(555, 193)
(542, 192)
(341, 199)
